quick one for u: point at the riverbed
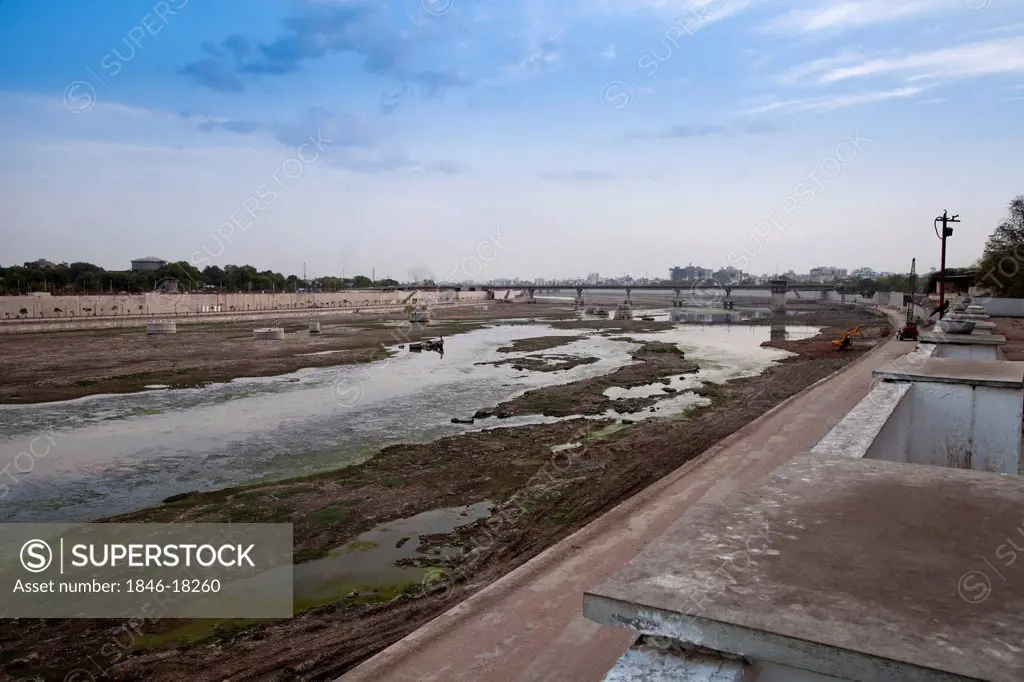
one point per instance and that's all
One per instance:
(107, 454)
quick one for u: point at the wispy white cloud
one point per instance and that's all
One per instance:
(681, 12)
(1002, 29)
(837, 16)
(830, 103)
(963, 61)
(817, 66)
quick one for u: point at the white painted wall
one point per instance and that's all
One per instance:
(967, 352)
(893, 299)
(954, 425)
(1002, 307)
(153, 303)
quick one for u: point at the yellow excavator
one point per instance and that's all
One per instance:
(846, 340)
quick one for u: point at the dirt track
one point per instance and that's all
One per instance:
(541, 497)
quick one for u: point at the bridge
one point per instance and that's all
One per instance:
(777, 290)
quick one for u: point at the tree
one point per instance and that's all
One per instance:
(1002, 263)
(361, 282)
(866, 287)
(213, 275)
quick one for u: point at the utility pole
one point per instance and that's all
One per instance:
(946, 232)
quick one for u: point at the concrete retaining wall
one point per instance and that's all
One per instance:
(154, 303)
(967, 351)
(893, 299)
(958, 426)
(1002, 307)
(939, 424)
(45, 324)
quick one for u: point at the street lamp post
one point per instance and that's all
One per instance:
(946, 232)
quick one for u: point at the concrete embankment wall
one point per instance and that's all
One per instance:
(155, 303)
(98, 312)
(892, 299)
(954, 425)
(1002, 307)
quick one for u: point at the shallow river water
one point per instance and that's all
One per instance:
(92, 457)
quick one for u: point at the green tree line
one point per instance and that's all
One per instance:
(86, 278)
(1001, 268)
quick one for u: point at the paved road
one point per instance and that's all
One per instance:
(528, 626)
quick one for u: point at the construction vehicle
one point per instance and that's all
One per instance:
(908, 332)
(846, 340)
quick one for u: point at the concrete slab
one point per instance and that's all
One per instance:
(977, 338)
(959, 371)
(984, 326)
(860, 569)
(974, 317)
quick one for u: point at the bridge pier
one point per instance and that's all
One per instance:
(529, 295)
(579, 298)
(677, 302)
(629, 296)
(778, 288)
(728, 304)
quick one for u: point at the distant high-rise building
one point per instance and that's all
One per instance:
(689, 274)
(594, 278)
(826, 273)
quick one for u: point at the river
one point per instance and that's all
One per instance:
(83, 459)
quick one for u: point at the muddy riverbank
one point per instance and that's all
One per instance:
(539, 482)
(52, 366)
(654, 362)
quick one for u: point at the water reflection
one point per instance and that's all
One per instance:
(709, 316)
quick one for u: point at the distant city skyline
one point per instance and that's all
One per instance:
(686, 273)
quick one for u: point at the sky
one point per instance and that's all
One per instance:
(479, 139)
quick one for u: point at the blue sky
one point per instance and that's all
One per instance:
(487, 138)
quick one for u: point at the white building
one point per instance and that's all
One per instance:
(148, 263)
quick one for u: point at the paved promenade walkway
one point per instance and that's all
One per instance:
(528, 626)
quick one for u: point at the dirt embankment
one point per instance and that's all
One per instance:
(537, 343)
(548, 362)
(544, 363)
(1013, 329)
(655, 362)
(870, 329)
